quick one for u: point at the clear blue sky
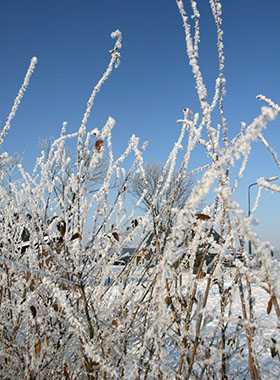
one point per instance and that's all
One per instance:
(153, 83)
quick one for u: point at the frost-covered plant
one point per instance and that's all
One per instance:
(66, 311)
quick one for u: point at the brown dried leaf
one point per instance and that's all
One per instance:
(66, 372)
(47, 341)
(269, 306)
(202, 216)
(77, 235)
(33, 311)
(99, 144)
(116, 236)
(32, 285)
(89, 366)
(115, 323)
(55, 306)
(62, 227)
(273, 351)
(28, 275)
(49, 260)
(167, 300)
(37, 349)
(36, 327)
(75, 288)
(134, 223)
(202, 274)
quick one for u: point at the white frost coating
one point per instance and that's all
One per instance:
(18, 98)
(201, 89)
(275, 106)
(115, 58)
(268, 185)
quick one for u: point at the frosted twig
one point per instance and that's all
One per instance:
(18, 98)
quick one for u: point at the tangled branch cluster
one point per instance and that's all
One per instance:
(182, 307)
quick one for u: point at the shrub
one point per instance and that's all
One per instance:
(67, 312)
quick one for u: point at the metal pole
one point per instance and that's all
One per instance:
(270, 179)
(249, 213)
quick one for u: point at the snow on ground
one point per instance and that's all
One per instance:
(265, 324)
